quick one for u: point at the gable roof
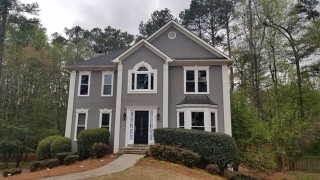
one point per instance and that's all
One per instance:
(191, 36)
(137, 46)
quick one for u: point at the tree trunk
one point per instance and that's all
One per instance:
(4, 17)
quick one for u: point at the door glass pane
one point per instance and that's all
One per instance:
(105, 119)
(142, 81)
(107, 79)
(81, 119)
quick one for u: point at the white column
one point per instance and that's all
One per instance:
(165, 95)
(226, 100)
(70, 104)
(117, 119)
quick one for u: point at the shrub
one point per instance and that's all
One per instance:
(88, 137)
(12, 171)
(156, 150)
(232, 175)
(44, 147)
(217, 148)
(188, 158)
(99, 150)
(51, 163)
(61, 144)
(213, 169)
(62, 155)
(71, 159)
(36, 165)
(170, 153)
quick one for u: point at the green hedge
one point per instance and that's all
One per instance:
(217, 148)
(62, 144)
(44, 147)
(88, 137)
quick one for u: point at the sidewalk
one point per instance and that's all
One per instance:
(122, 163)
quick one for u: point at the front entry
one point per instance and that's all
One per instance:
(141, 127)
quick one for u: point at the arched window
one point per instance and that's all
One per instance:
(142, 78)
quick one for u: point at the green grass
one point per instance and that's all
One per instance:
(142, 159)
(153, 161)
(305, 175)
(162, 162)
(174, 165)
(13, 165)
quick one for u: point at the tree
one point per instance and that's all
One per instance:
(158, 19)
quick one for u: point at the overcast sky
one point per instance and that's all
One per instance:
(125, 15)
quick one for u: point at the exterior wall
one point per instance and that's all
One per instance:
(180, 47)
(94, 102)
(176, 92)
(146, 55)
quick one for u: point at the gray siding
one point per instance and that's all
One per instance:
(180, 47)
(176, 92)
(142, 54)
(94, 102)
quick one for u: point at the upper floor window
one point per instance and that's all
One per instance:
(196, 80)
(107, 84)
(142, 79)
(84, 83)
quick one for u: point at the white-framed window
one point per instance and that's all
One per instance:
(196, 79)
(84, 83)
(105, 118)
(81, 121)
(142, 79)
(204, 119)
(107, 83)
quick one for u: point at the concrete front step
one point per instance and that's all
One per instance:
(133, 150)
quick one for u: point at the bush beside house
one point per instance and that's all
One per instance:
(44, 147)
(88, 137)
(62, 144)
(216, 148)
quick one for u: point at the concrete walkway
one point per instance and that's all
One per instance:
(122, 163)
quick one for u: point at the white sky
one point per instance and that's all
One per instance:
(125, 15)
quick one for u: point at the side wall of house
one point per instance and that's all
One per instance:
(94, 102)
(176, 92)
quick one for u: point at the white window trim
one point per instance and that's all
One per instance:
(135, 70)
(129, 111)
(105, 111)
(102, 83)
(78, 111)
(89, 80)
(207, 117)
(196, 69)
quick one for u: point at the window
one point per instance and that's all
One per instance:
(181, 120)
(196, 79)
(197, 120)
(84, 83)
(107, 84)
(81, 121)
(105, 119)
(142, 78)
(213, 122)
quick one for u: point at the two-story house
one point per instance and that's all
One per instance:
(171, 79)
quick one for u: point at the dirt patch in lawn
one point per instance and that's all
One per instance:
(62, 170)
(271, 175)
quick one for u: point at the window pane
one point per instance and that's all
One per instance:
(197, 118)
(107, 90)
(132, 82)
(202, 75)
(213, 119)
(105, 119)
(152, 81)
(81, 119)
(181, 118)
(107, 79)
(190, 75)
(198, 128)
(202, 86)
(83, 89)
(142, 68)
(190, 86)
(84, 79)
(142, 81)
(79, 129)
